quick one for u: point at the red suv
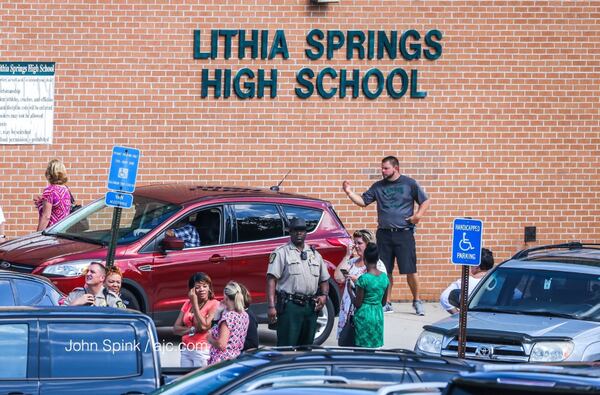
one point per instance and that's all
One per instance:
(238, 229)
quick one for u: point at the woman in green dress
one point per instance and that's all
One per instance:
(371, 296)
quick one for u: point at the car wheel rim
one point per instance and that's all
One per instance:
(322, 321)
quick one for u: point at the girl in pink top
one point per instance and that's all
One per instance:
(194, 321)
(227, 337)
(55, 202)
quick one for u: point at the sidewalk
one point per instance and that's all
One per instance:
(402, 329)
(403, 326)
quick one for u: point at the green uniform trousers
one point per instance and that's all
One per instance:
(297, 325)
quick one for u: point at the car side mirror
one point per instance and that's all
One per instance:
(454, 298)
(172, 243)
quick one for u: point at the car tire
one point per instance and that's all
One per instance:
(325, 322)
(130, 299)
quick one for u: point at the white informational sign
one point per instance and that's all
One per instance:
(26, 102)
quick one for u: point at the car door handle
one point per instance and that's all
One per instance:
(217, 259)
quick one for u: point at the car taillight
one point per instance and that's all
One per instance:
(345, 242)
(338, 241)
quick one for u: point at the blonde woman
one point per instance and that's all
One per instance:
(228, 336)
(55, 202)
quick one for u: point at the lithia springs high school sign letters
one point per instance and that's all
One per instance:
(327, 82)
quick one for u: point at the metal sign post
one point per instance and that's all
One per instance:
(112, 246)
(462, 319)
(121, 181)
(466, 251)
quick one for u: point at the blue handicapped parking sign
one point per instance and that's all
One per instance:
(123, 169)
(466, 241)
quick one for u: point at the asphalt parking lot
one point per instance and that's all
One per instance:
(402, 328)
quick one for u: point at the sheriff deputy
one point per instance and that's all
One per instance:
(297, 288)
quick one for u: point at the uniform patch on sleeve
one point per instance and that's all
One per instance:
(272, 257)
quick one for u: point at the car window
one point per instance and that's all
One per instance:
(14, 342)
(50, 298)
(93, 222)
(536, 291)
(312, 216)
(6, 294)
(29, 292)
(92, 350)
(257, 221)
(207, 225)
(435, 374)
(374, 374)
(289, 372)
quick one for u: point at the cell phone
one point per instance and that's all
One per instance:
(344, 272)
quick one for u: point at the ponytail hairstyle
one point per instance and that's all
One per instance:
(233, 291)
(371, 255)
(365, 234)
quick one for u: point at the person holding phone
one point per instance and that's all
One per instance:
(94, 293)
(350, 269)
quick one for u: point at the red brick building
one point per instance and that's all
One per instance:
(508, 131)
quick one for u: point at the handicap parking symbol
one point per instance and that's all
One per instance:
(123, 172)
(466, 241)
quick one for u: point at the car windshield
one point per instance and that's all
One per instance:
(540, 292)
(92, 223)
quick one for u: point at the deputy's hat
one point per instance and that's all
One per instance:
(297, 224)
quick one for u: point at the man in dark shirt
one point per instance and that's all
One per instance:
(396, 196)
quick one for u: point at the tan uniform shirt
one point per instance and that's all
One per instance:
(103, 298)
(295, 276)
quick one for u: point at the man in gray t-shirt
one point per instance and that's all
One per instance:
(396, 196)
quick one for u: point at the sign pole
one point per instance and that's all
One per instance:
(112, 246)
(121, 183)
(462, 326)
(466, 251)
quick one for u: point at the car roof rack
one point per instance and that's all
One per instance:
(337, 349)
(411, 387)
(573, 245)
(274, 381)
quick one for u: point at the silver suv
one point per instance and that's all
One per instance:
(542, 305)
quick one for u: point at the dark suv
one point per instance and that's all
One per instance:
(362, 367)
(238, 228)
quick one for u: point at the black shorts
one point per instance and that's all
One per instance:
(400, 246)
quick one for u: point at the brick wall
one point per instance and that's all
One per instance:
(508, 133)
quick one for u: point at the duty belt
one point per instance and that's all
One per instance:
(297, 298)
(396, 229)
